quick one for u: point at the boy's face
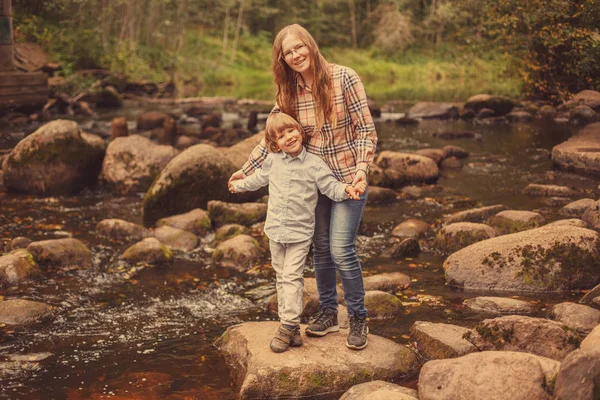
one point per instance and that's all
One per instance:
(290, 141)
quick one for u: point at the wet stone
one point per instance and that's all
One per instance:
(436, 155)
(19, 242)
(592, 215)
(387, 282)
(580, 152)
(455, 151)
(150, 251)
(508, 375)
(437, 340)
(534, 189)
(411, 228)
(451, 163)
(400, 169)
(17, 266)
(499, 305)
(475, 214)
(239, 252)
(23, 312)
(511, 221)
(120, 230)
(379, 390)
(382, 305)
(576, 208)
(60, 253)
(379, 195)
(176, 239)
(320, 366)
(196, 221)
(539, 336)
(456, 236)
(230, 230)
(569, 222)
(402, 248)
(576, 316)
(222, 213)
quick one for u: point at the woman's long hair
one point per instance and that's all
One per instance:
(285, 80)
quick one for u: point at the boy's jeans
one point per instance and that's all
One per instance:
(334, 247)
(288, 260)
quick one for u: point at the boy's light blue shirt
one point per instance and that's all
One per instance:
(294, 183)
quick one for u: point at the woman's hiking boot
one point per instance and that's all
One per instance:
(357, 337)
(284, 338)
(324, 322)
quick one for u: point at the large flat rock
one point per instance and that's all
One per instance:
(581, 152)
(321, 366)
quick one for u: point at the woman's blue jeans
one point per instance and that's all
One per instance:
(334, 249)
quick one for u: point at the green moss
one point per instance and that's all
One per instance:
(285, 381)
(75, 152)
(506, 226)
(459, 240)
(320, 380)
(166, 252)
(362, 376)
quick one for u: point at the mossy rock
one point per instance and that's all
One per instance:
(454, 237)
(190, 180)
(149, 251)
(54, 160)
(382, 305)
(247, 214)
(67, 252)
(512, 221)
(196, 221)
(230, 230)
(400, 169)
(17, 266)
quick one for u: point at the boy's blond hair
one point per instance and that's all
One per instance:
(277, 123)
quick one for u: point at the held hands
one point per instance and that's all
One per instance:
(354, 192)
(239, 174)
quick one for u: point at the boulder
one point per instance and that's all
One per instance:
(149, 251)
(319, 367)
(451, 163)
(382, 305)
(196, 221)
(592, 341)
(501, 105)
(569, 222)
(133, 162)
(499, 305)
(176, 239)
(475, 214)
(576, 208)
(581, 153)
(454, 237)
(151, 120)
(519, 116)
(437, 340)
(53, 160)
(23, 312)
(534, 189)
(455, 151)
(436, 155)
(239, 252)
(379, 195)
(183, 142)
(222, 213)
(557, 258)
(20, 242)
(379, 390)
(402, 248)
(501, 375)
(400, 169)
(539, 336)
(120, 230)
(583, 114)
(429, 109)
(579, 376)
(591, 215)
(589, 296)
(196, 176)
(590, 98)
(485, 113)
(388, 282)
(118, 128)
(411, 228)
(511, 221)
(578, 317)
(16, 267)
(230, 230)
(61, 253)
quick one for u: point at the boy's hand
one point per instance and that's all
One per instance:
(231, 187)
(360, 187)
(353, 192)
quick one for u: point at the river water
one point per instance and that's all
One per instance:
(113, 321)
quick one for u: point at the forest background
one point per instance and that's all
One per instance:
(439, 50)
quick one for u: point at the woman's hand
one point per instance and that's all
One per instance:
(360, 181)
(239, 174)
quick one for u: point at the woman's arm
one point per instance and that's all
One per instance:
(365, 136)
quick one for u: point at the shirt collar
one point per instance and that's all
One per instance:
(300, 82)
(300, 156)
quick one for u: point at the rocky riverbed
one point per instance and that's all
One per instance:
(128, 267)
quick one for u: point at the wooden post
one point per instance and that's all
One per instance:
(6, 40)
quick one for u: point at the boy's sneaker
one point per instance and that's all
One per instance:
(357, 338)
(324, 322)
(283, 339)
(296, 339)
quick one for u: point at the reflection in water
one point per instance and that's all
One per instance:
(114, 321)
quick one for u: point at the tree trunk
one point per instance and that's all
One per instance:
(353, 22)
(225, 34)
(237, 31)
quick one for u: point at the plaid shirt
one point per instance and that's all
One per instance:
(348, 147)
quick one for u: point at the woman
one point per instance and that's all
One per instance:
(330, 103)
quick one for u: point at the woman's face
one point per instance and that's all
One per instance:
(295, 53)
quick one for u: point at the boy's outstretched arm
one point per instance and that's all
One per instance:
(259, 179)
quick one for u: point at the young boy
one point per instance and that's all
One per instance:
(294, 177)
